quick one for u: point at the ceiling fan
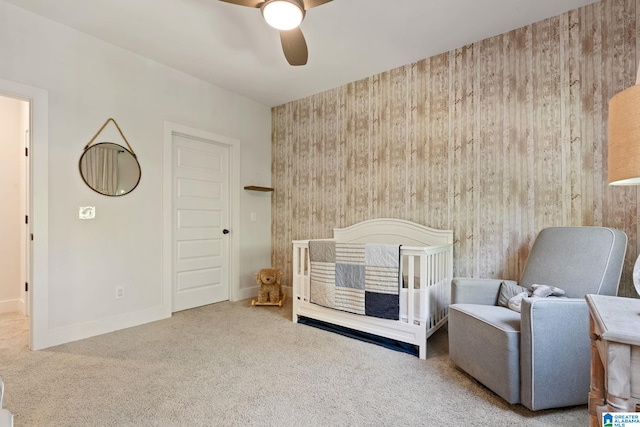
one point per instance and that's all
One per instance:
(286, 16)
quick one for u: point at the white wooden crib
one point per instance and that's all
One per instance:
(426, 255)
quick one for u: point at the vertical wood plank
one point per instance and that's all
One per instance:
(489, 152)
(510, 184)
(416, 151)
(358, 153)
(379, 145)
(571, 105)
(398, 143)
(302, 178)
(343, 171)
(435, 166)
(330, 200)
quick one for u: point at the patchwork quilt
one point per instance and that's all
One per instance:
(361, 278)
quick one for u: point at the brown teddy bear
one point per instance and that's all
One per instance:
(270, 288)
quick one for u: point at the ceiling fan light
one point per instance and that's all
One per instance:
(282, 14)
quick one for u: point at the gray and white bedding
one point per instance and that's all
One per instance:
(361, 278)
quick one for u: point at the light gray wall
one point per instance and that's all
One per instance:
(89, 81)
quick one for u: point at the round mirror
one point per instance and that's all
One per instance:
(110, 169)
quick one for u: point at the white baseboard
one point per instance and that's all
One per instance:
(89, 329)
(252, 292)
(9, 306)
(103, 326)
(247, 293)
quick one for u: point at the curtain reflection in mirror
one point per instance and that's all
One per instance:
(99, 167)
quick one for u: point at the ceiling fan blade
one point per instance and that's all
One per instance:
(294, 46)
(308, 4)
(248, 3)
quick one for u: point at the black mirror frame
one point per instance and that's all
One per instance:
(123, 150)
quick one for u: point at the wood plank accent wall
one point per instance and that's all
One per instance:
(495, 140)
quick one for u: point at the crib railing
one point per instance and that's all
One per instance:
(432, 269)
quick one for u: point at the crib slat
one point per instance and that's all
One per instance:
(410, 289)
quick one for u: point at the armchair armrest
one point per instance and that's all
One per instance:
(555, 352)
(476, 291)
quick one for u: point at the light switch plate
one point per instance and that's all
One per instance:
(87, 212)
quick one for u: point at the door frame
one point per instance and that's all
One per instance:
(169, 130)
(38, 195)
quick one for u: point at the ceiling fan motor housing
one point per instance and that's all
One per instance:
(274, 14)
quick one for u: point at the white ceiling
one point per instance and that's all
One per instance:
(232, 47)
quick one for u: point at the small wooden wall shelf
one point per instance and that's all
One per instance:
(256, 188)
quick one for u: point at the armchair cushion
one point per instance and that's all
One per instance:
(509, 290)
(580, 260)
(497, 365)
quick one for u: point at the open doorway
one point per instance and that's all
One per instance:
(37, 197)
(14, 211)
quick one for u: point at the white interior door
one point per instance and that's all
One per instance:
(200, 220)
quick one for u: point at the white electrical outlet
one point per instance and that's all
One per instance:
(120, 292)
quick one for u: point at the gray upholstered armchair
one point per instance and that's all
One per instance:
(539, 357)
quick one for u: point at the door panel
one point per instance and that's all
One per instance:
(197, 279)
(200, 212)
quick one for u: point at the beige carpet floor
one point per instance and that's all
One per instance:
(231, 364)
